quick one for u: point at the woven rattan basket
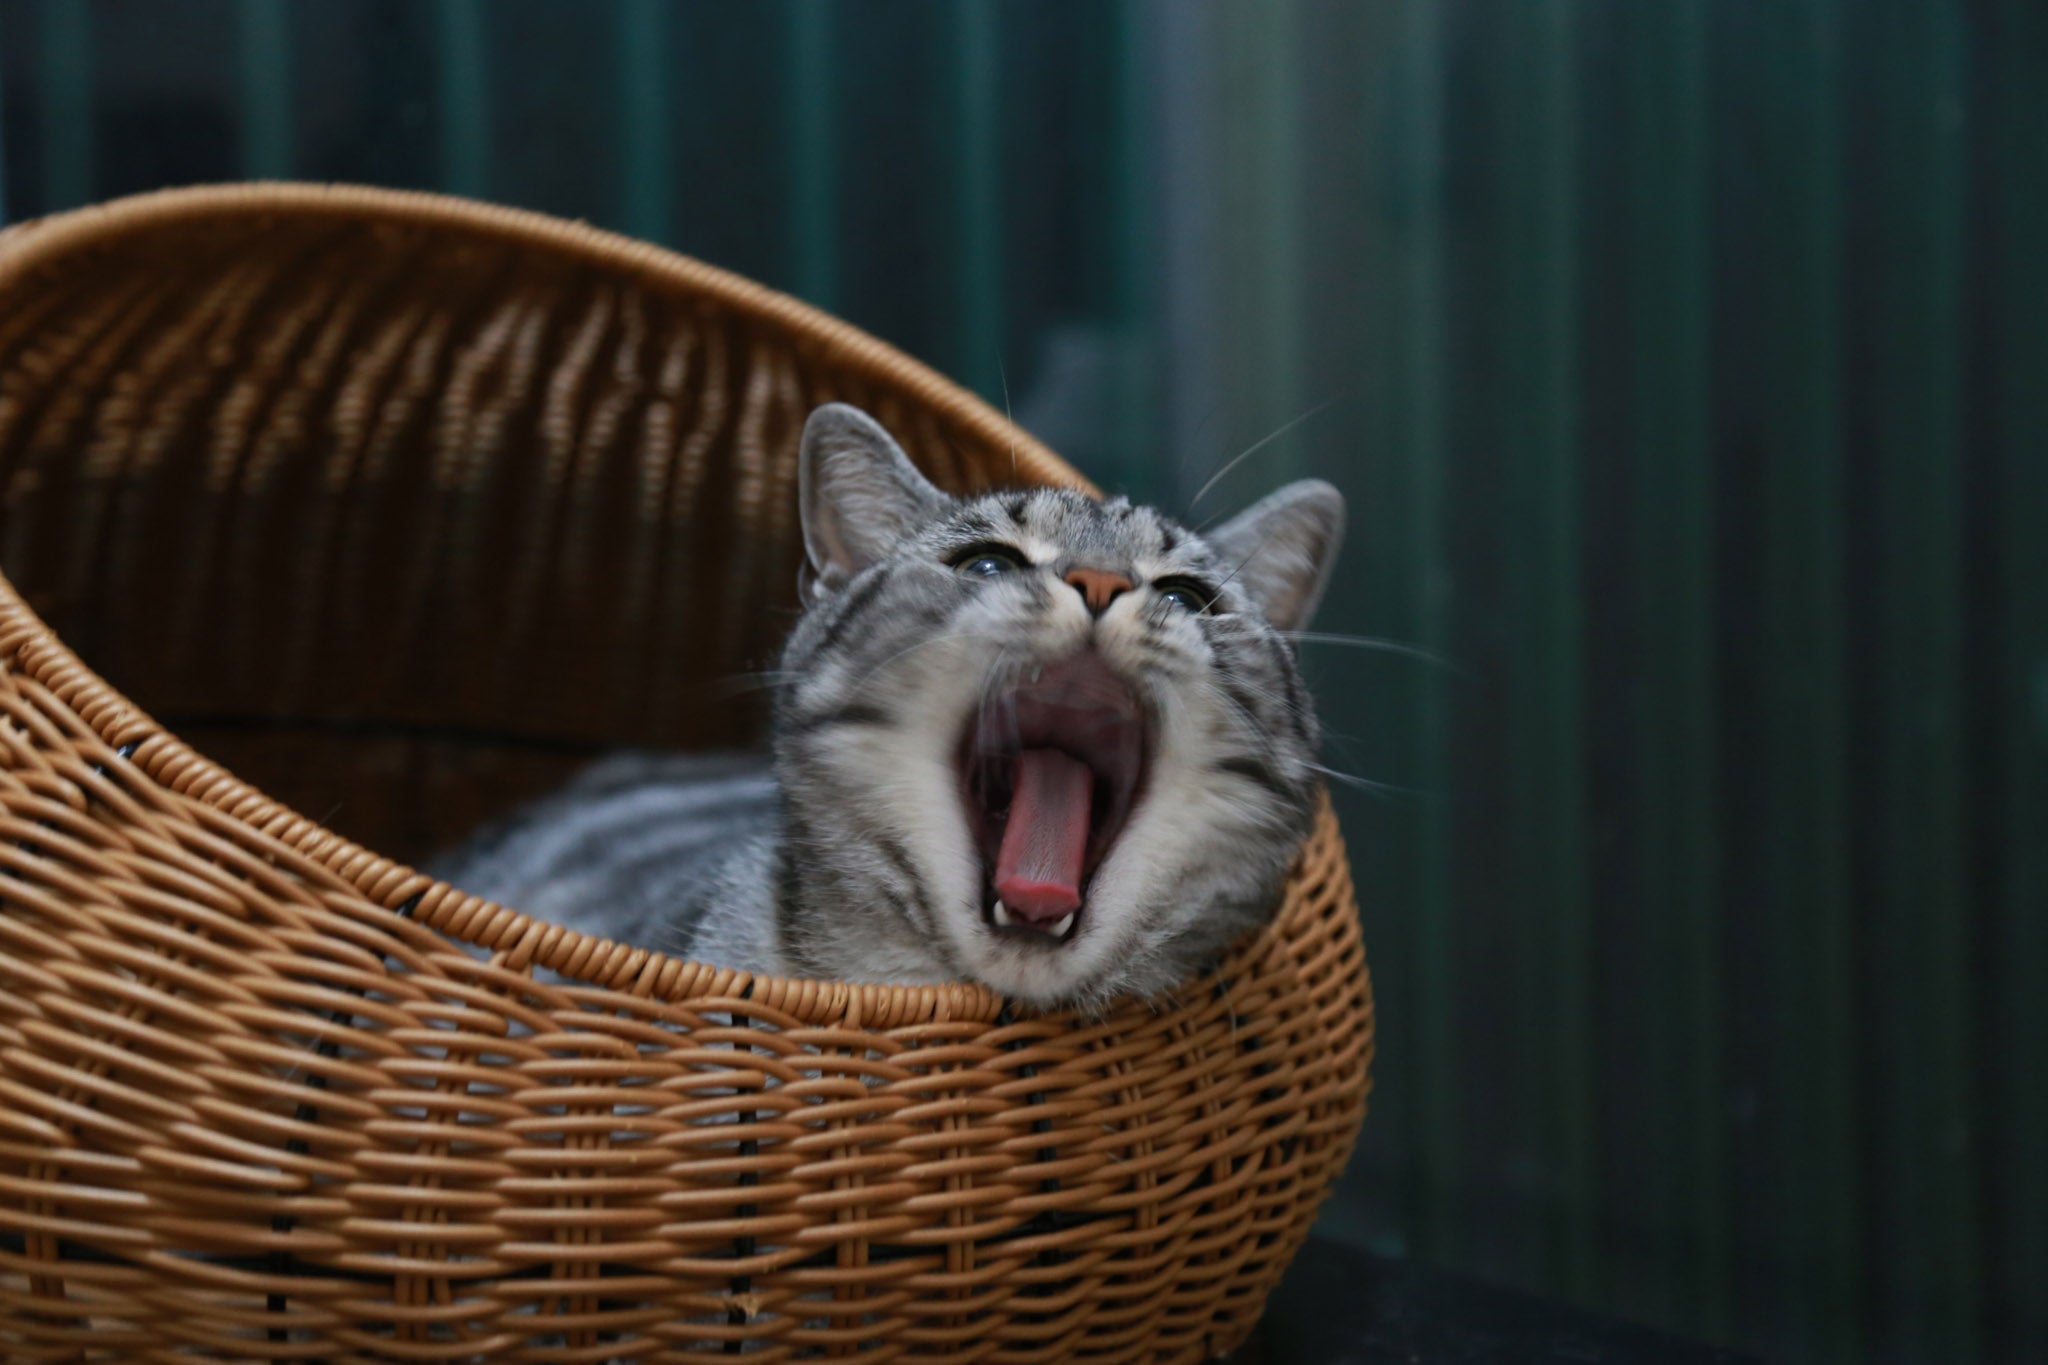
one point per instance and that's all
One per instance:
(396, 508)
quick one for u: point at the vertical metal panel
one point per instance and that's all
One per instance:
(1907, 343)
(1779, 173)
(1261, 192)
(1133, 306)
(1674, 836)
(647, 164)
(465, 106)
(266, 97)
(1194, 354)
(67, 109)
(1417, 319)
(977, 152)
(2015, 282)
(1352, 251)
(1536, 324)
(813, 165)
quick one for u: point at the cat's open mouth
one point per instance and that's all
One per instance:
(1049, 771)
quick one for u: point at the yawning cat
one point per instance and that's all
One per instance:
(1048, 743)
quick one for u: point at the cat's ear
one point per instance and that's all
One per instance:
(1282, 549)
(857, 492)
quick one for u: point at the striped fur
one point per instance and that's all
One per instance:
(848, 854)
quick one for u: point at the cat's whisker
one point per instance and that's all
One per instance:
(1384, 790)
(1254, 449)
(1313, 637)
(739, 684)
(1272, 698)
(1008, 417)
(1241, 564)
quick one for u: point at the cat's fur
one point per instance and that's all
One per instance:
(852, 855)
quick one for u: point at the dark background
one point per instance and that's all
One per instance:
(1686, 364)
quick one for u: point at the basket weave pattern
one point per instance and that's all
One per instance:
(328, 480)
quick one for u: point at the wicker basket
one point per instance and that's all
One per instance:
(398, 507)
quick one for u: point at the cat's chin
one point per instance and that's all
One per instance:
(1051, 767)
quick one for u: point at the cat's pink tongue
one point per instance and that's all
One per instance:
(1045, 843)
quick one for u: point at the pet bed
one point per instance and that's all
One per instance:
(387, 510)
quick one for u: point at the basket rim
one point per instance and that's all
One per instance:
(31, 645)
(36, 242)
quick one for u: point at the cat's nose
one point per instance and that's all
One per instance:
(1098, 587)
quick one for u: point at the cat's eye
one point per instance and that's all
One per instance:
(1187, 596)
(987, 561)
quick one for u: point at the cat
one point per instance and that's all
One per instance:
(1048, 743)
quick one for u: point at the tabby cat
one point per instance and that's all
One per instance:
(1055, 745)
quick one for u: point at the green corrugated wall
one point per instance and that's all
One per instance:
(1686, 364)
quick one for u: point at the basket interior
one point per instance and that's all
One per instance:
(398, 516)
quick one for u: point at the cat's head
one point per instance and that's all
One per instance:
(1052, 744)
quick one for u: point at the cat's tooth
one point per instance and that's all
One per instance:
(1060, 930)
(1002, 915)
